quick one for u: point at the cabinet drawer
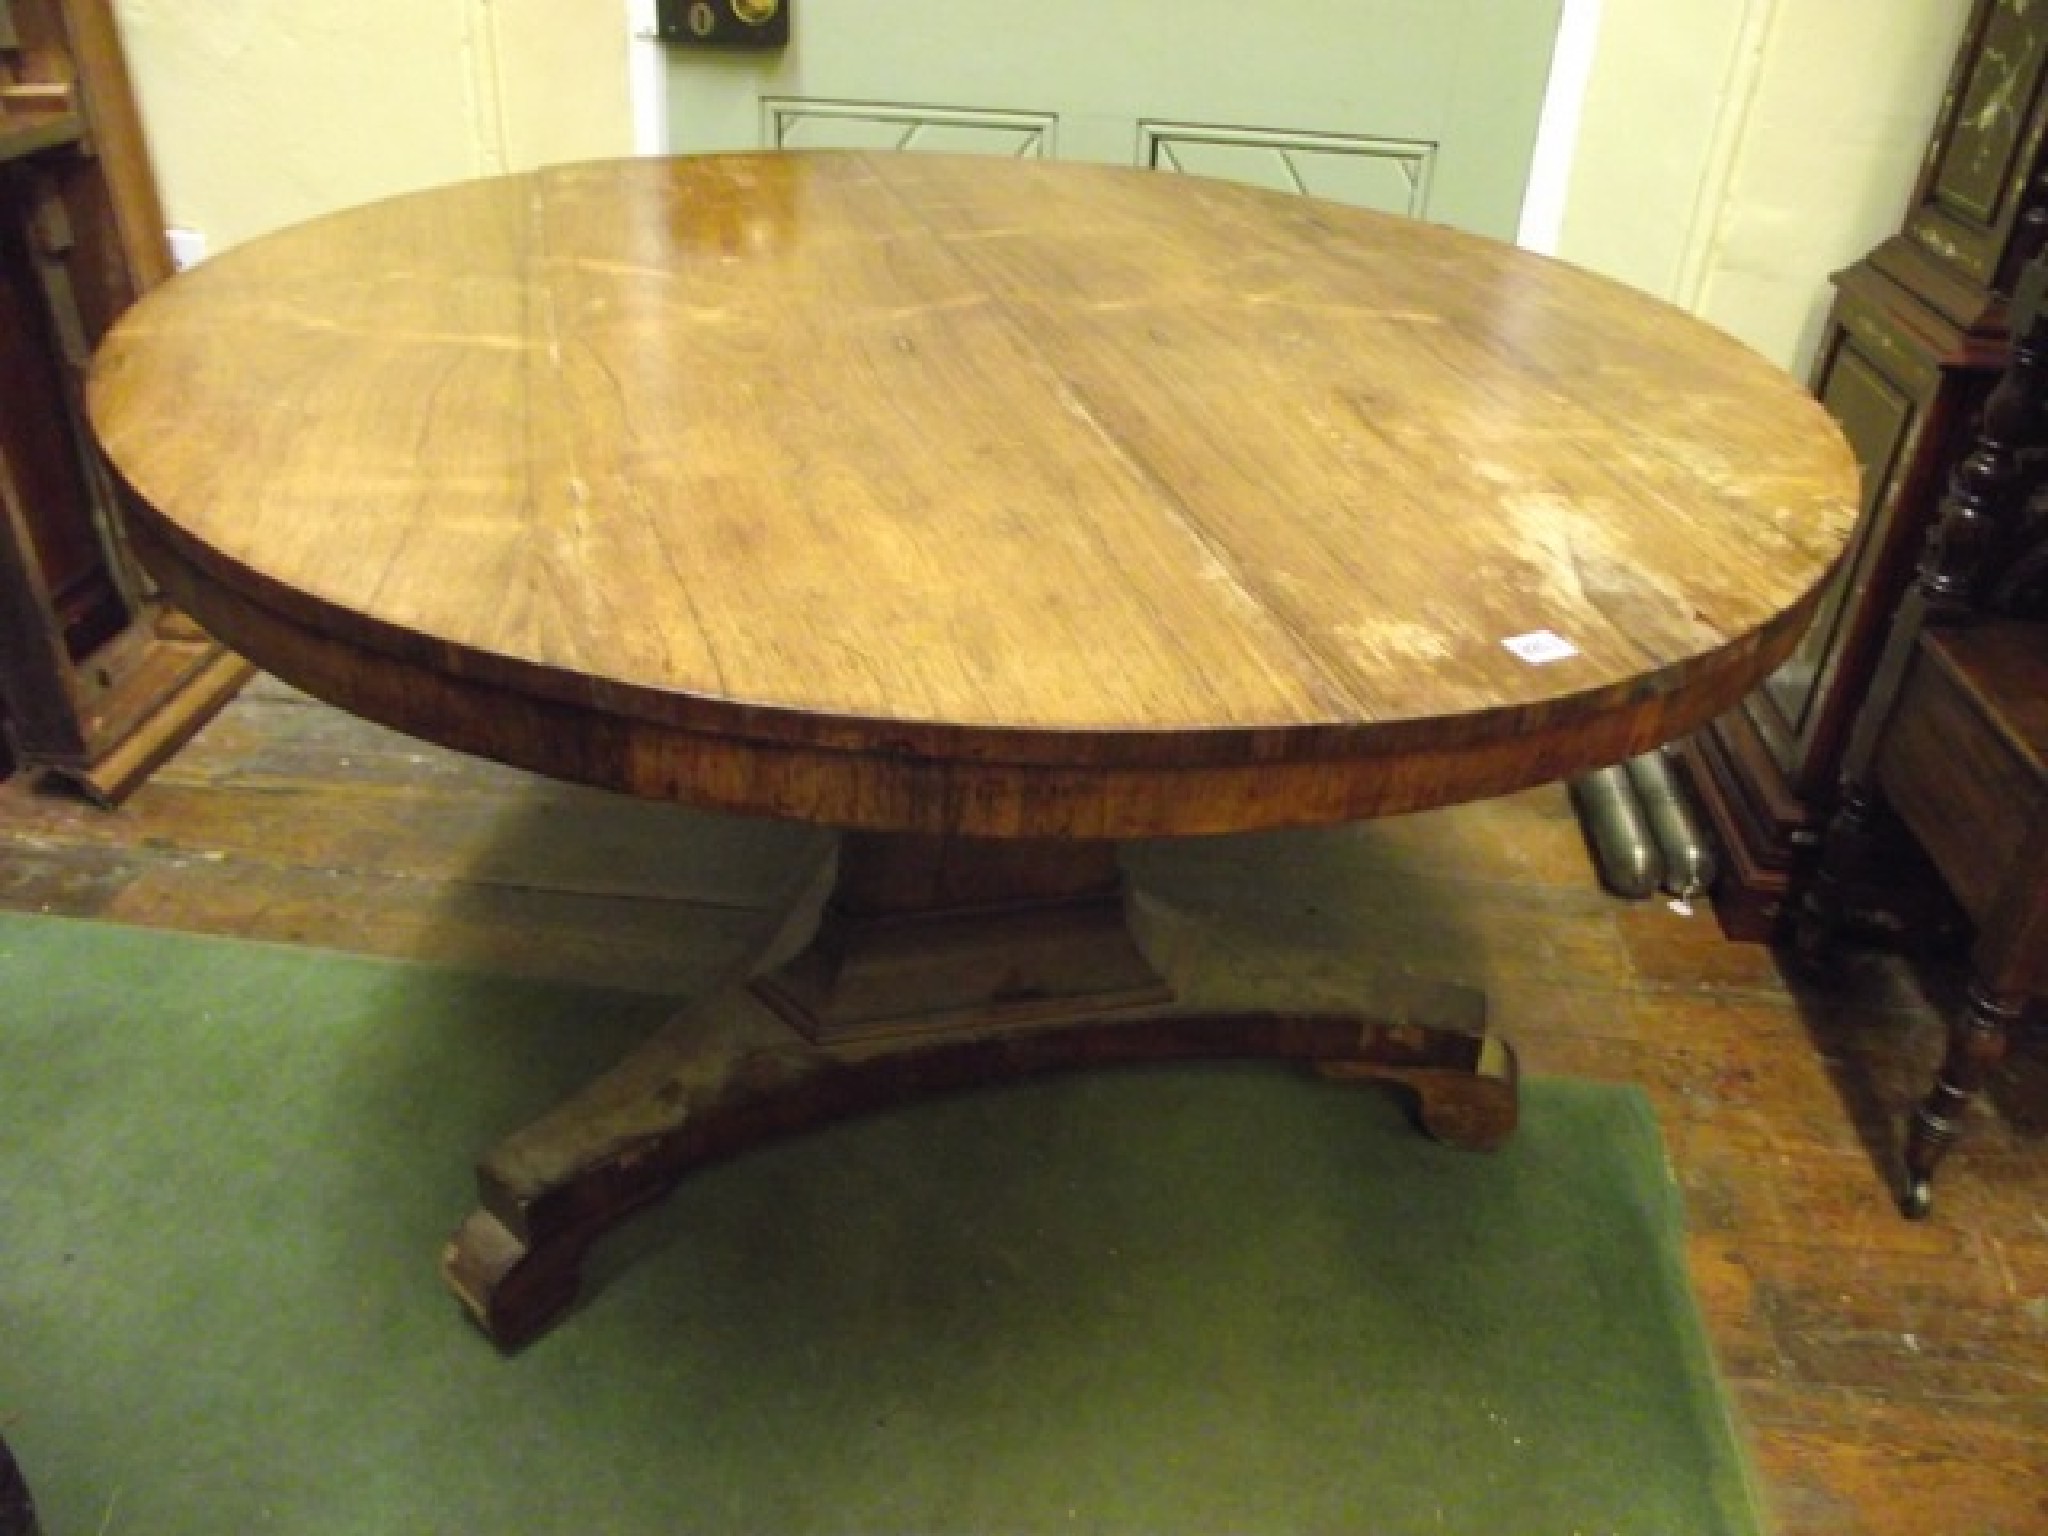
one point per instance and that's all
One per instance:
(1962, 759)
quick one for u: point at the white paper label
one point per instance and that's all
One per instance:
(1540, 646)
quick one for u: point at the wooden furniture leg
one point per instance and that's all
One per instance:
(2007, 968)
(1976, 1045)
(1847, 854)
(911, 937)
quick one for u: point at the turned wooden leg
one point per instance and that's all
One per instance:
(908, 989)
(1976, 1044)
(1847, 852)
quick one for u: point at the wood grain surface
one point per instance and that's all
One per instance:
(961, 495)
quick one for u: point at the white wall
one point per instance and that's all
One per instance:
(1732, 153)
(1656, 98)
(262, 113)
(1831, 144)
(1729, 153)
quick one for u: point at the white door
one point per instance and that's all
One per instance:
(1422, 107)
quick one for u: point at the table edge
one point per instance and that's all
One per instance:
(889, 775)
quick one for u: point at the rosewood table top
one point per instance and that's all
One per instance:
(970, 496)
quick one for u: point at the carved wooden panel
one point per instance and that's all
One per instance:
(1981, 175)
(1392, 175)
(799, 123)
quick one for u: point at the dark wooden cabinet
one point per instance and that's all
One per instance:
(1905, 382)
(1917, 335)
(1952, 744)
(98, 679)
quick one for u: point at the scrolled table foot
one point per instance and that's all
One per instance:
(1479, 1112)
(513, 1290)
(1464, 1083)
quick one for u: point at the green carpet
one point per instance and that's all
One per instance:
(1228, 1298)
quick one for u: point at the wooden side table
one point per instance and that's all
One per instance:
(1962, 760)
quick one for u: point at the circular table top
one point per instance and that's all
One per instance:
(1014, 498)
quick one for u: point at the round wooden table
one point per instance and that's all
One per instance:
(991, 511)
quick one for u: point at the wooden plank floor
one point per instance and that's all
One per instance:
(1893, 1377)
